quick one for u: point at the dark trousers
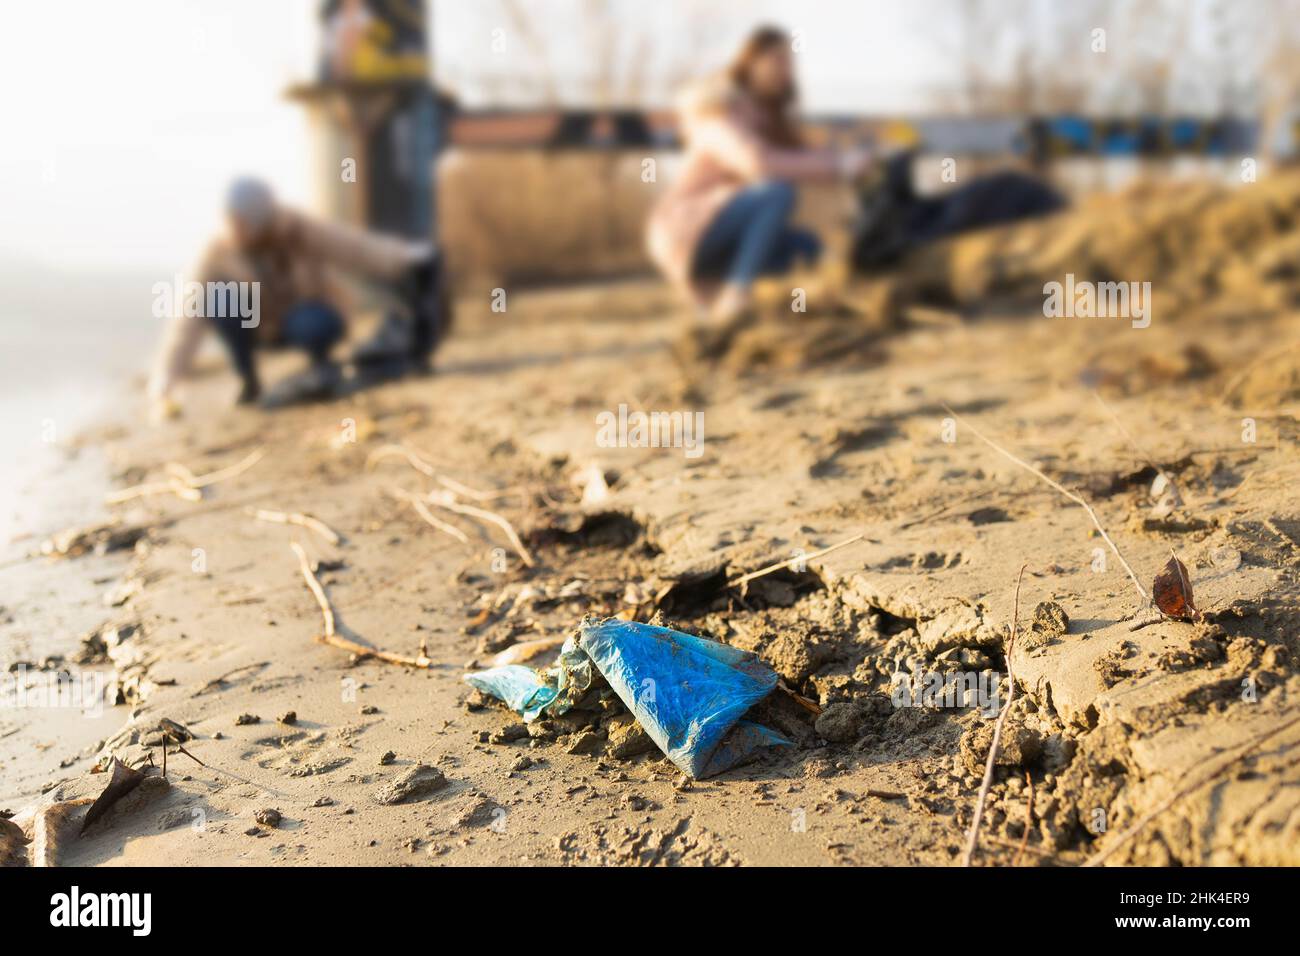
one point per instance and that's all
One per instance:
(752, 236)
(313, 327)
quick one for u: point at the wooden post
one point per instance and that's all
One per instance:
(373, 102)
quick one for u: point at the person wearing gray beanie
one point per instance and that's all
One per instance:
(250, 205)
(281, 267)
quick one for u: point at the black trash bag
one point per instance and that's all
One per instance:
(893, 220)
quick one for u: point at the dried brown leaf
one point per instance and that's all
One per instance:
(1172, 591)
(123, 781)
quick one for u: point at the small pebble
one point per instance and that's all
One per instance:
(270, 817)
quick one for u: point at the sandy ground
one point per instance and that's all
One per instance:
(818, 428)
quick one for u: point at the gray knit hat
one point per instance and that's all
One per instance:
(250, 201)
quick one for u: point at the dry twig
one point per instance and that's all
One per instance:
(1140, 453)
(423, 466)
(1029, 819)
(294, 517)
(400, 451)
(172, 485)
(423, 511)
(388, 657)
(184, 483)
(973, 835)
(1063, 490)
(743, 579)
(806, 703)
(1232, 492)
(449, 502)
(1152, 616)
(1139, 824)
(330, 635)
(212, 477)
(313, 583)
(221, 679)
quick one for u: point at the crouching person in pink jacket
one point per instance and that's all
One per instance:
(725, 221)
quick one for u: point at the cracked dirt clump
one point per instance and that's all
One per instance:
(1021, 745)
(1050, 623)
(419, 781)
(844, 723)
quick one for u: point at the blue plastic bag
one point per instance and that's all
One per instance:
(521, 688)
(535, 694)
(688, 693)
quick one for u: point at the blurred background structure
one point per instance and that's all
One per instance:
(123, 133)
(126, 139)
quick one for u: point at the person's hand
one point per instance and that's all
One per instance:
(163, 409)
(855, 161)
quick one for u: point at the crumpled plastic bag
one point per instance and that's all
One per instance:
(535, 694)
(688, 693)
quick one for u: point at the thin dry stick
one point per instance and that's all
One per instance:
(424, 467)
(184, 483)
(329, 635)
(318, 592)
(181, 473)
(967, 499)
(221, 679)
(294, 517)
(1184, 790)
(1285, 538)
(1152, 616)
(166, 737)
(361, 650)
(1029, 820)
(809, 705)
(212, 477)
(451, 484)
(233, 776)
(182, 749)
(1142, 453)
(400, 451)
(1069, 494)
(172, 485)
(445, 500)
(423, 511)
(973, 835)
(1231, 493)
(795, 560)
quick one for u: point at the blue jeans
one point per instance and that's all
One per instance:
(314, 327)
(752, 237)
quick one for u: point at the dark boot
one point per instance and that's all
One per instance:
(393, 341)
(406, 342)
(430, 302)
(250, 391)
(318, 382)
